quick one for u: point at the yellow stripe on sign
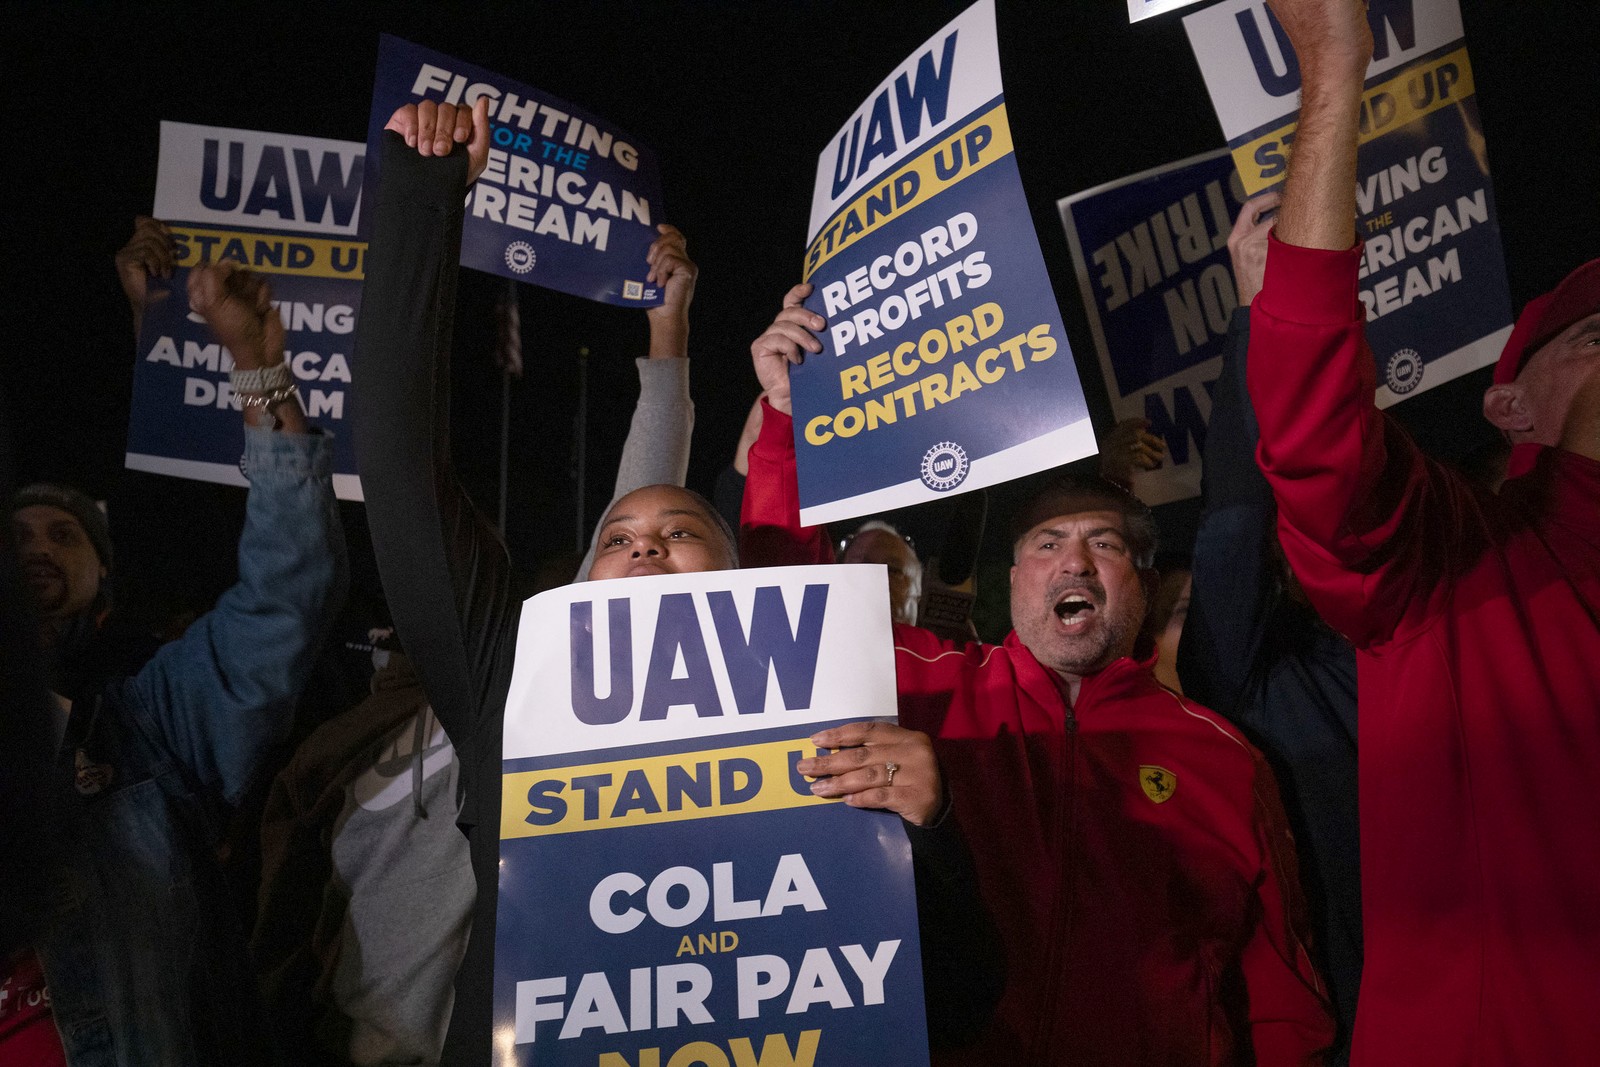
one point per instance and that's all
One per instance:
(270, 253)
(1388, 106)
(656, 789)
(942, 164)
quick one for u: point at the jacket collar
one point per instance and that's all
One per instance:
(1122, 677)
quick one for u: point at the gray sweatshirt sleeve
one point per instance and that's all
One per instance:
(657, 449)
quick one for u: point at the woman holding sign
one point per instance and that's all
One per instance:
(449, 581)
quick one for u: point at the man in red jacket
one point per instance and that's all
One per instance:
(1476, 617)
(1130, 844)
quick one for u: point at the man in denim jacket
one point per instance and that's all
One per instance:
(145, 957)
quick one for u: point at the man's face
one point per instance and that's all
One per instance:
(1560, 387)
(60, 568)
(1077, 600)
(905, 570)
(659, 529)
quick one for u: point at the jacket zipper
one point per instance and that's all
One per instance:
(1061, 925)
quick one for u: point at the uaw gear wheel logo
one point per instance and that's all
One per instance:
(520, 256)
(1404, 372)
(944, 466)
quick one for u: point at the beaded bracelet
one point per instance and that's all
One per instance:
(266, 379)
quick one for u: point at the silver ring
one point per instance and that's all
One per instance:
(891, 767)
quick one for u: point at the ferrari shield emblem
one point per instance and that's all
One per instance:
(1158, 783)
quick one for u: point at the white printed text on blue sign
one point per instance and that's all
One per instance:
(1433, 277)
(670, 888)
(944, 366)
(287, 207)
(568, 201)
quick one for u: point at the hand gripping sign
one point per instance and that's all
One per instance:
(287, 207)
(568, 201)
(1433, 276)
(944, 365)
(671, 891)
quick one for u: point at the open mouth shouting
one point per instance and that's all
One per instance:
(1074, 607)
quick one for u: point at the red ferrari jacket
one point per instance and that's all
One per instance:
(1477, 620)
(1131, 848)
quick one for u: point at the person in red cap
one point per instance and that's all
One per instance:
(1476, 618)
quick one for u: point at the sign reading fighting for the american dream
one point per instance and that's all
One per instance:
(944, 366)
(287, 207)
(1433, 278)
(569, 201)
(1151, 252)
(671, 891)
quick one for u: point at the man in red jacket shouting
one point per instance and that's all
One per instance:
(1475, 617)
(1129, 843)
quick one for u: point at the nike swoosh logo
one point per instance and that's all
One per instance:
(388, 782)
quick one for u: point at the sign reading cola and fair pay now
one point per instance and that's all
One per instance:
(671, 891)
(944, 366)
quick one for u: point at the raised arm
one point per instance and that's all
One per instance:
(445, 572)
(224, 693)
(1234, 570)
(770, 533)
(1371, 527)
(657, 449)
(148, 254)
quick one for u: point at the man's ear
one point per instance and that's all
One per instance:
(1150, 580)
(1013, 579)
(1503, 407)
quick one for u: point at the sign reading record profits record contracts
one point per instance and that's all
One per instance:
(671, 891)
(286, 207)
(568, 200)
(1433, 277)
(944, 365)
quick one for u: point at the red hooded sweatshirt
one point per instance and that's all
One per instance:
(1477, 620)
(1131, 848)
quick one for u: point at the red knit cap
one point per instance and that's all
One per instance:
(1577, 297)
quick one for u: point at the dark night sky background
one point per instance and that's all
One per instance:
(738, 98)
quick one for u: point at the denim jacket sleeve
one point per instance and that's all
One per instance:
(220, 696)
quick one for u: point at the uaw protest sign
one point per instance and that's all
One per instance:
(287, 207)
(1433, 275)
(569, 200)
(671, 891)
(1151, 253)
(944, 367)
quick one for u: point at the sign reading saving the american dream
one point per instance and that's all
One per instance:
(568, 200)
(287, 207)
(1433, 278)
(1151, 252)
(944, 365)
(671, 892)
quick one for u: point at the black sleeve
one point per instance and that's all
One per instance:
(445, 572)
(963, 961)
(1235, 588)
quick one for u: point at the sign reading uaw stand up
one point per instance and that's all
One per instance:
(671, 891)
(1433, 277)
(286, 207)
(944, 366)
(568, 201)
